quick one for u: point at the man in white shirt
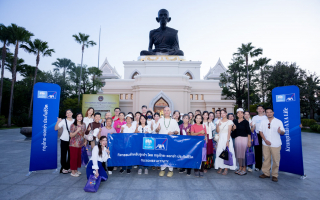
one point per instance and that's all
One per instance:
(270, 131)
(256, 121)
(167, 126)
(64, 141)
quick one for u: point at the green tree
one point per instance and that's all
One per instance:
(262, 64)
(64, 64)
(82, 39)
(234, 81)
(284, 74)
(310, 93)
(37, 47)
(4, 38)
(245, 51)
(18, 35)
(96, 82)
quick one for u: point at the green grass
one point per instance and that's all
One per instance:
(12, 127)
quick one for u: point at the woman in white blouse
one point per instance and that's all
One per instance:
(100, 154)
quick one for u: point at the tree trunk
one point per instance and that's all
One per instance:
(248, 84)
(311, 113)
(80, 76)
(4, 54)
(34, 82)
(12, 84)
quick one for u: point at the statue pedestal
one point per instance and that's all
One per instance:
(162, 65)
(161, 58)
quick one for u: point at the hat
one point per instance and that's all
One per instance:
(240, 109)
(129, 115)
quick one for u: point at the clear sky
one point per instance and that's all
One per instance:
(287, 30)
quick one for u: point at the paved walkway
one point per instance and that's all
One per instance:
(14, 184)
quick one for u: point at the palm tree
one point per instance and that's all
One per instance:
(64, 64)
(4, 38)
(37, 47)
(18, 35)
(82, 39)
(245, 51)
(262, 64)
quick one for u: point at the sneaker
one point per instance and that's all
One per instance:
(188, 173)
(69, 170)
(128, 171)
(201, 174)
(197, 174)
(146, 171)
(153, 168)
(65, 171)
(78, 172)
(161, 173)
(249, 169)
(135, 166)
(170, 174)
(181, 171)
(121, 171)
(256, 169)
(109, 172)
(139, 171)
(115, 169)
(158, 168)
(74, 175)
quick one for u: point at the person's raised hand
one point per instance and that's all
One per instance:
(59, 119)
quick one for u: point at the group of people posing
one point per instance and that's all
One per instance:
(220, 131)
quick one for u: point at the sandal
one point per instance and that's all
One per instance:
(219, 171)
(242, 173)
(225, 172)
(205, 171)
(237, 172)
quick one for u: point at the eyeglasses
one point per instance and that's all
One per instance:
(269, 126)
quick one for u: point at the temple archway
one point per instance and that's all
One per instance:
(160, 105)
(161, 97)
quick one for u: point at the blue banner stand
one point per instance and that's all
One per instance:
(286, 105)
(46, 101)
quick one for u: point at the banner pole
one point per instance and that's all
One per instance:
(29, 173)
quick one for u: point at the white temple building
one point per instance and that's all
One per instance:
(162, 80)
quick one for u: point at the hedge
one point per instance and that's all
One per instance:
(308, 122)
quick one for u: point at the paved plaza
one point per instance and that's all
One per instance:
(14, 184)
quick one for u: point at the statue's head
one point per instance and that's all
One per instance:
(163, 17)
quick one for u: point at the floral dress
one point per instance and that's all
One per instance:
(78, 140)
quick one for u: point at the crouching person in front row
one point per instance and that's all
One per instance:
(100, 154)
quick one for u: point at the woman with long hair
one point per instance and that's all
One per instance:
(198, 129)
(105, 131)
(224, 127)
(100, 154)
(209, 162)
(77, 130)
(191, 117)
(176, 116)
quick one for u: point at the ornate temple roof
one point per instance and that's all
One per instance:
(214, 73)
(108, 72)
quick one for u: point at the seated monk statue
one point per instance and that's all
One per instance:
(165, 39)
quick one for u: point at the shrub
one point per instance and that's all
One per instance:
(22, 120)
(314, 127)
(308, 122)
(318, 128)
(2, 120)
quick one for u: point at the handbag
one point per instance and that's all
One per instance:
(93, 184)
(224, 154)
(67, 128)
(89, 150)
(250, 160)
(84, 156)
(89, 137)
(255, 139)
(230, 160)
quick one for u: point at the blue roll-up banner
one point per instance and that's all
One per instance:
(46, 100)
(127, 149)
(286, 105)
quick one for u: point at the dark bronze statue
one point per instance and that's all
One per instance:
(165, 39)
